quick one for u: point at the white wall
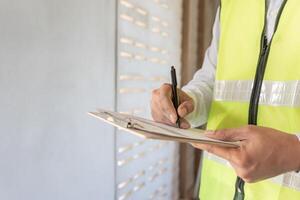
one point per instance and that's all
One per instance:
(57, 61)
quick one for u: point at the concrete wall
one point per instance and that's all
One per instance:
(57, 61)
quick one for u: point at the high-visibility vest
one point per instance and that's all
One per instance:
(248, 67)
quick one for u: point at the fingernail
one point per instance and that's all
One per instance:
(173, 118)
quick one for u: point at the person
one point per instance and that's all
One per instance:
(248, 90)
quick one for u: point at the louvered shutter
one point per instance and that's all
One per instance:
(149, 42)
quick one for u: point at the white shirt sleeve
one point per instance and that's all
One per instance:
(200, 88)
(298, 135)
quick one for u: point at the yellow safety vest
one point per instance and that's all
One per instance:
(255, 82)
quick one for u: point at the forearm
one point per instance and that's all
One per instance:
(201, 87)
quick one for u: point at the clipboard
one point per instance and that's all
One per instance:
(153, 130)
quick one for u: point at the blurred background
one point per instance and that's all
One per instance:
(60, 59)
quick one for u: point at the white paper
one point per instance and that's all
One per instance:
(150, 129)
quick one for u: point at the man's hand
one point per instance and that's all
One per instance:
(264, 152)
(162, 108)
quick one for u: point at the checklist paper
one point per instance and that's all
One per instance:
(153, 130)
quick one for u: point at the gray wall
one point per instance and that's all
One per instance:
(57, 61)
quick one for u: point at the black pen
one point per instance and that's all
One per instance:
(175, 99)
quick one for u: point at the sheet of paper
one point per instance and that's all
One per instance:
(150, 129)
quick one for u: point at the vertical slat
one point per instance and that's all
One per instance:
(149, 42)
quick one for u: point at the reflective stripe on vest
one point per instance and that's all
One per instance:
(291, 179)
(273, 93)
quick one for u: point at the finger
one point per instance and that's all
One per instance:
(235, 134)
(166, 104)
(168, 110)
(158, 115)
(183, 96)
(166, 90)
(166, 122)
(184, 124)
(162, 119)
(185, 108)
(156, 111)
(227, 153)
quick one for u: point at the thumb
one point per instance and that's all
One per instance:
(234, 134)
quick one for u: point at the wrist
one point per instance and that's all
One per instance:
(295, 151)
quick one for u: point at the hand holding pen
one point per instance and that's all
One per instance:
(163, 109)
